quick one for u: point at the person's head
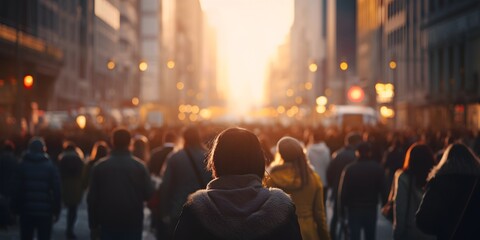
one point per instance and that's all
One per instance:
(419, 160)
(37, 145)
(169, 137)
(291, 151)
(364, 151)
(457, 159)
(236, 151)
(69, 146)
(140, 147)
(353, 139)
(99, 150)
(121, 139)
(318, 135)
(191, 137)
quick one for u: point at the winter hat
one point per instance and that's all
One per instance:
(37, 145)
(290, 149)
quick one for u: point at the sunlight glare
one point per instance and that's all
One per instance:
(249, 32)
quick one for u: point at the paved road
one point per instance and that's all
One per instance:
(384, 228)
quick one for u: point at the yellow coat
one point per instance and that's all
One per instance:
(308, 200)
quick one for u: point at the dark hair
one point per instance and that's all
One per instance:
(364, 151)
(318, 134)
(140, 148)
(69, 146)
(99, 150)
(353, 138)
(169, 136)
(457, 159)
(121, 138)
(191, 137)
(419, 160)
(236, 151)
(292, 151)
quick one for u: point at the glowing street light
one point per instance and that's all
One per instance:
(81, 121)
(343, 66)
(28, 81)
(308, 85)
(321, 109)
(180, 85)
(392, 64)
(143, 66)
(170, 64)
(322, 101)
(135, 101)
(312, 67)
(111, 65)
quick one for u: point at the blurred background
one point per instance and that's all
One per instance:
(400, 63)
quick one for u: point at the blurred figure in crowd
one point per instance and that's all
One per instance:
(291, 173)
(235, 205)
(71, 168)
(100, 150)
(119, 187)
(159, 154)
(340, 159)
(141, 150)
(408, 191)
(37, 197)
(319, 156)
(183, 173)
(393, 159)
(361, 185)
(449, 208)
(8, 169)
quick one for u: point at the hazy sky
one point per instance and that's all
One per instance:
(248, 31)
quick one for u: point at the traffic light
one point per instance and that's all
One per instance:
(28, 81)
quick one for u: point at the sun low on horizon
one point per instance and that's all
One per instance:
(248, 33)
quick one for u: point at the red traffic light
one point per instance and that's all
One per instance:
(356, 94)
(28, 81)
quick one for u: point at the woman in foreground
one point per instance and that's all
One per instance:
(235, 205)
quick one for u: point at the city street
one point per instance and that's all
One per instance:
(384, 228)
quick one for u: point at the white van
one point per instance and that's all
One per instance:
(351, 115)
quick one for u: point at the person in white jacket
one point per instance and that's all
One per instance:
(319, 156)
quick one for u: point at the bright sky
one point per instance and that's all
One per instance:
(249, 32)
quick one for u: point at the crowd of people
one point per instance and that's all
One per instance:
(254, 182)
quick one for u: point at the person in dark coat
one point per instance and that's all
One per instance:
(360, 187)
(235, 205)
(184, 172)
(8, 169)
(160, 154)
(119, 187)
(71, 166)
(100, 150)
(37, 196)
(340, 159)
(450, 207)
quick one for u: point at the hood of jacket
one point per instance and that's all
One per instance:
(35, 157)
(285, 177)
(239, 207)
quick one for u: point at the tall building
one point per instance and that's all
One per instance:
(151, 50)
(308, 33)
(452, 29)
(341, 46)
(370, 48)
(182, 41)
(31, 55)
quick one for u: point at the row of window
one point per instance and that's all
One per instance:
(396, 37)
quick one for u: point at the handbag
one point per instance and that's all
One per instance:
(387, 209)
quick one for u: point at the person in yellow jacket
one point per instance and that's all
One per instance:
(292, 173)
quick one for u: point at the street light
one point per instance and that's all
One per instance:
(28, 81)
(344, 68)
(312, 67)
(170, 64)
(143, 66)
(393, 66)
(111, 65)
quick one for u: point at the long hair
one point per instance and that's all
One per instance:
(291, 151)
(457, 159)
(419, 160)
(100, 149)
